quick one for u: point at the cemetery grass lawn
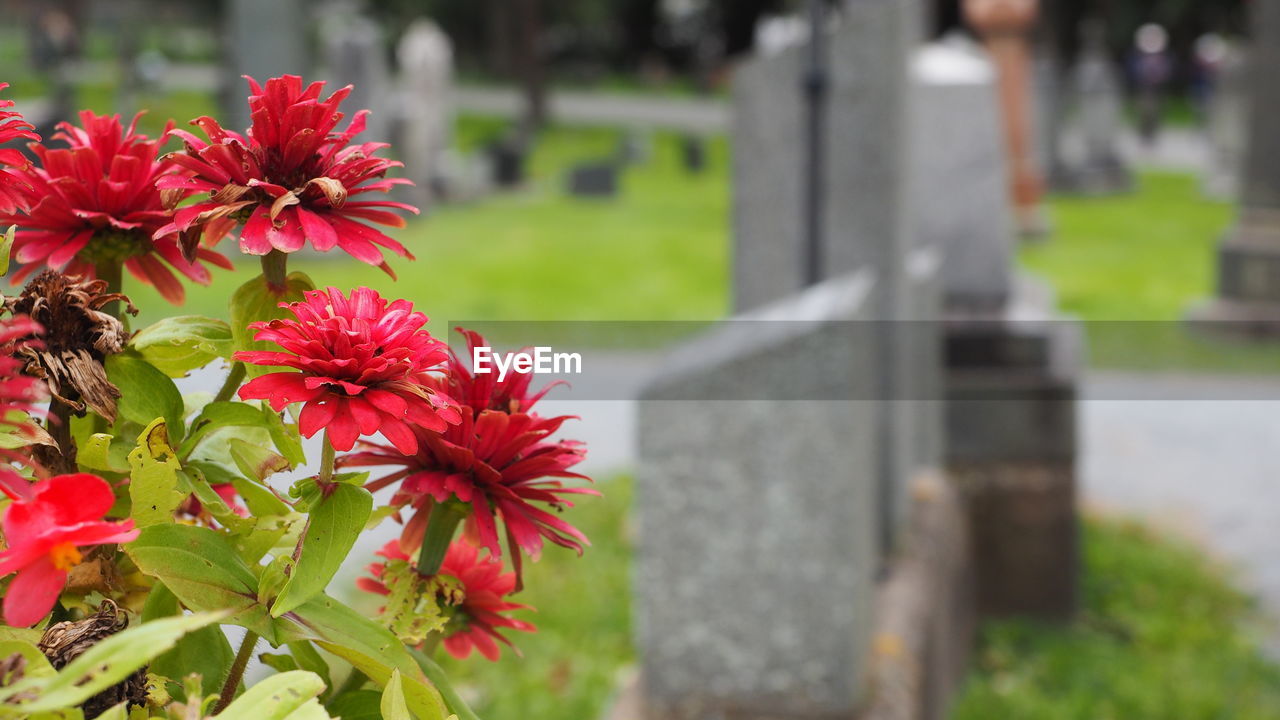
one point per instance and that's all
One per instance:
(570, 666)
(658, 251)
(1162, 634)
(1131, 265)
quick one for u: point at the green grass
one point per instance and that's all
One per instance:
(570, 665)
(1163, 634)
(1132, 265)
(1141, 256)
(658, 251)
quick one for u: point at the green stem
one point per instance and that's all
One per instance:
(441, 525)
(232, 383)
(113, 273)
(236, 674)
(275, 270)
(327, 458)
(59, 427)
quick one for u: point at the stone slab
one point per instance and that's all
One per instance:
(958, 193)
(757, 546)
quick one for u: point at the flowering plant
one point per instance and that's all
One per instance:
(138, 523)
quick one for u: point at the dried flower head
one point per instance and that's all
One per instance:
(79, 337)
(68, 640)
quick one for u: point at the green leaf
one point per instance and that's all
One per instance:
(205, 651)
(218, 415)
(99, 453)
(436, 675)
(213, 503)
(153, 477)
(146, 393)
(309, 659)
(393, 704)
(255, 301)
(114, 659)
(290, 695)
(357, 705)
(180, 344)
(285, 437)
(257, 463)
(202, 568)
(368, 646)
(6, 245)
(332, 528)
(37, 664)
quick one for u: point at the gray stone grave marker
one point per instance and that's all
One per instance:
(425, 58)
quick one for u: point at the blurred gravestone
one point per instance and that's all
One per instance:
(265, 39)
(593, 179)
(354, 53)
(1248, 298)
(1099, 170)
(958, 174)
(634, 147)
(1012, 363)
(864, 217)
(1226, 127)
(763, 608)
(693, 153)
(425, 57)
(506, 162)
(757, 550)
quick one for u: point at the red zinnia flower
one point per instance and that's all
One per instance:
(97, 202)
(363, 367)
(18, 395)
(289, 179)
(501, 463)
(482, 612)
(13, 187)
(44, 535)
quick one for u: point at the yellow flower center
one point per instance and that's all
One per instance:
(65, 556)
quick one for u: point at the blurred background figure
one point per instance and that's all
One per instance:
(1211, 55)
(1151, 66)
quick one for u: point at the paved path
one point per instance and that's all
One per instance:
(1205, 465)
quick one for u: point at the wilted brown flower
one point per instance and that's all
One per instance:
(77, 340)
(68, 640)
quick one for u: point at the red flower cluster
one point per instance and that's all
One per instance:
(483, 611)
(499, 459)
(97, 202)
(18, 395)
(13, 188)
(291, 178)
(363, 367)
(44, 534)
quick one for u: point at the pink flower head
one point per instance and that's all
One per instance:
(19, 394)
(97, 202)
(45, 533)
(362, 365)
(291, 179)
(13, 186)
(502, 463)
(483, 610)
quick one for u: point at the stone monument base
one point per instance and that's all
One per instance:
(1248, 303)
(1011, 388)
